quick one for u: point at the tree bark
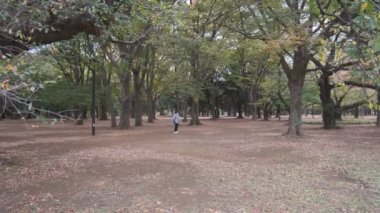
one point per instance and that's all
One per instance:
(103, 107)
(252, 102)
(149, 103)
(266, 112)
(296, 78)
(125, 91)
(113, 117)
(184, 111)
(149, 86)
(239, 108)
(328, 105)
(378, 108)
(195, 113)
(295, 119)
(137, 83)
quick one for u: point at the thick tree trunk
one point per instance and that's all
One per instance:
(125, 115)
(296, 78)
(328, 105)
(295, 119)
(195, 113)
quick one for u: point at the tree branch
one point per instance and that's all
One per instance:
(363, 85)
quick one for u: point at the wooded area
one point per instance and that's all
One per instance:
(242, 74)
(213, 58)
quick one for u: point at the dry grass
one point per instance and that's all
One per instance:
(225, 166)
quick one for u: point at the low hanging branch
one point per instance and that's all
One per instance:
(363, 85)
(25, 24)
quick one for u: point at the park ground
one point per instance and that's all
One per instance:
(228, 165)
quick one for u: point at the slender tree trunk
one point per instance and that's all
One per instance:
(132, 107)
(338, 114)
(252, 102)
(184, 111)
(154, 108)
(150, 75)
(103, 107)
(266, 112)
(240, 110)
(378, 108)
(137, 106)
(258, 112)
(278, 111)
(150, 112)
(2, 107)
(113, 117)
(125, 115)
(328, 106)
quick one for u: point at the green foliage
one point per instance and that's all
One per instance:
(64, 95)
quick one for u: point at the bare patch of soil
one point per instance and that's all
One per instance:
(230, 165)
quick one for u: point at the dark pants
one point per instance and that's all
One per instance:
(175, 127)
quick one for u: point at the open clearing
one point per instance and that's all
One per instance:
(228, 165)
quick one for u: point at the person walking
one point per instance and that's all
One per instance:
(176, 120)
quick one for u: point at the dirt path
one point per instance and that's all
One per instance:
(225, 166)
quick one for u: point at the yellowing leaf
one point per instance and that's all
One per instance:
(9, 67)
(364, 7)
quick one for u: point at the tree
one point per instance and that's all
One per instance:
(40, 22)
(293, 28)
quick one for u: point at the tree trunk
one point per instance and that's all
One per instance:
(296, 78)
(278, 111)
(113, 117)
(103, 107)
(2, 109)
(258, 112)
(338, 115)
(295, 119)
(378, 108)
(137, 106)
(132, 108)
(195, 113)
(154, 108)
(328, 106)
(239, 108)
(356, 112)
(184, 111)
(266, 112)
(252, 101)
(150, 112)
(125, 115)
